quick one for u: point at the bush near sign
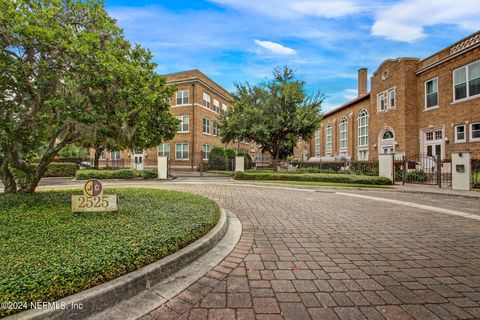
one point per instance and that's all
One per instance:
(93, 199)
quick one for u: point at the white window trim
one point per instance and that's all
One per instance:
(360, 150)
(216, 106)
(188, 151)
(163, 149)
(340, 131)
(188, 98)
(318, 143)
(464, 133)
(203, 151)
(386, 99)
(329, 146)
(209, 127)
(470, 134)
(114, 152)
(209, 100)
(362, 146)
(394, 90)
(182, 117)
(379, 104)
(425, 94)
(468, 97)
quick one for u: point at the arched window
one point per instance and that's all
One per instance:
(317, 143)
(387, 143)
(328, 138)
(363, 128)
(343, 133)
(387, 135)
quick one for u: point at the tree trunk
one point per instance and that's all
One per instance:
(34, 176)
(275, 160)
(8, 180)
(275, 152)
(96, 157)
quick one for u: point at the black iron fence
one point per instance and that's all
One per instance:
(111, 164)
(475, 169)
(334, 166)
(366, 168)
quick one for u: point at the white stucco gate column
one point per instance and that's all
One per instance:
(385, 166)
(461, 171)
(240, 163)
(162, 167)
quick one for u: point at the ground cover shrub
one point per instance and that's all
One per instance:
(107, 174)
(417, 175)
(149, 174)
(47, 252)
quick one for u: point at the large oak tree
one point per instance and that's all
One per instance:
(274, 113)
(68, 75)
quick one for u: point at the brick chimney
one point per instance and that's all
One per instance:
(362, 81)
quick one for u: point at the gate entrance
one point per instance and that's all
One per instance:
(428, 169)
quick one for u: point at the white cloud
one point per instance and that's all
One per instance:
(288, 9)
(326, 9)
(406, 20)
(276, 48)
(350, 94)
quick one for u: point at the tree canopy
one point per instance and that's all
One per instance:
(69, 75)
(275, 113)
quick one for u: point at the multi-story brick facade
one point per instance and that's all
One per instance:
(198, 103)
(415, 106)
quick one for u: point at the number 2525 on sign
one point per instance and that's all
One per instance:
(97, 203)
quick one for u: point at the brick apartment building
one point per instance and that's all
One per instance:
(427, 106)
(198, 103)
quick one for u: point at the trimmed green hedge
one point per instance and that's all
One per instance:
(61, 169)
(336, 178)
(55, 169)
(47, 252)
(115, 174)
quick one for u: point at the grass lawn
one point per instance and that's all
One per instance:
(47, 252)
(325, 184)
(222, 172)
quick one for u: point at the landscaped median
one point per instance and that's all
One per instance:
(47, 252)
(312, 177)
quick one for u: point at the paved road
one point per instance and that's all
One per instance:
(322, 255)
(315, 255)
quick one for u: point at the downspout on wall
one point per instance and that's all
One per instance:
(193, 125)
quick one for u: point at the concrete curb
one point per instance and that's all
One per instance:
(108, 294)
(467, 196)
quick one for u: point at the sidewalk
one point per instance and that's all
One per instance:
(429, 189)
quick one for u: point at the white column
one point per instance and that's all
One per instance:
(239, 163)
(385, 163)
(162, 167)
(461, 171)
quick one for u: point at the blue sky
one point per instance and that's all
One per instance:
(324, 41)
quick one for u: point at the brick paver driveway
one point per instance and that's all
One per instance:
(314, 255)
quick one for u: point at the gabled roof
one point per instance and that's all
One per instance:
(347, 104)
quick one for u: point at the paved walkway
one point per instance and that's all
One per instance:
(316, 255)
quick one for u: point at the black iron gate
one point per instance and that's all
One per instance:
(475, 173)
(424, 169)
